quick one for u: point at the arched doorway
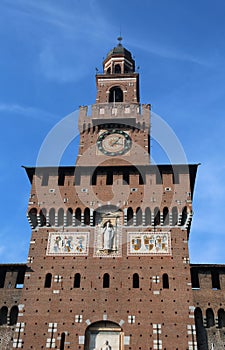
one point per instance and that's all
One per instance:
(105, 335)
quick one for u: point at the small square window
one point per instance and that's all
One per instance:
(78, 318)
(131, 319)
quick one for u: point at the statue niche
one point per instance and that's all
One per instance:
(108, 234)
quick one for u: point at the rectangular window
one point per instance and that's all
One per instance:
(77, 178)
(61, 179)
(195, 279)
(57, 279)
(131, 319)
(176, 179)
(94, 179)
(142, 180)
(155, 279)
(44, 181)
(2, 278)
(126, 178)
(157, 343)
(215, 280)
(17, 342)
(158, 178)
(78, 318)
(192, 345)
(50, 343)
(109, 178)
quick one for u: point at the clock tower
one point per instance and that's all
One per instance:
(108, 264)
(119, 126)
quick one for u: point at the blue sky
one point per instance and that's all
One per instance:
(49, 51)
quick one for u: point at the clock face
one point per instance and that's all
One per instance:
(114, 142)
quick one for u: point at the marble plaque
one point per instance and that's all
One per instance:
(70, 243)
(145, 243)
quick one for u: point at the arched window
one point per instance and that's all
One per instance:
(48, 280)
(106, 280)
(184, 216)
(87, 216)
(33, 217)
(130, 216)
(62, 341)
(135, 280)
(117, 68)
(3, 315)
(138, 217)
(77, 280)
(165, 216)
(78, 216)
(52, 217)
(156, 216)
(165, 280)
(115, 94)
(221, 318)
(210, 321)
(69, 217)
(174, 216)
(43, 213)
(13, 315)
(108, 71)
(127, 69)
(201, 334)
(148, 217)
(61, 217)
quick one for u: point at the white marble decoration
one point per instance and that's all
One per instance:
(69, 243)
(146, 243)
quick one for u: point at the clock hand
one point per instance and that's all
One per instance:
(113, 143)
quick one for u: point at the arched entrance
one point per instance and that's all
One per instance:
(103, 335)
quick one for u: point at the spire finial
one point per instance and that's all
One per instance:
(120, 39)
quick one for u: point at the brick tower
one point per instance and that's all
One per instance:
(108, 260)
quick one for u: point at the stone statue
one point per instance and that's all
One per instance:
(108, 235)
(106, 346)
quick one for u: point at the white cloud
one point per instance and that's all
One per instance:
(29, 112)
(56, 67)
(62, 55)
(167, 52)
